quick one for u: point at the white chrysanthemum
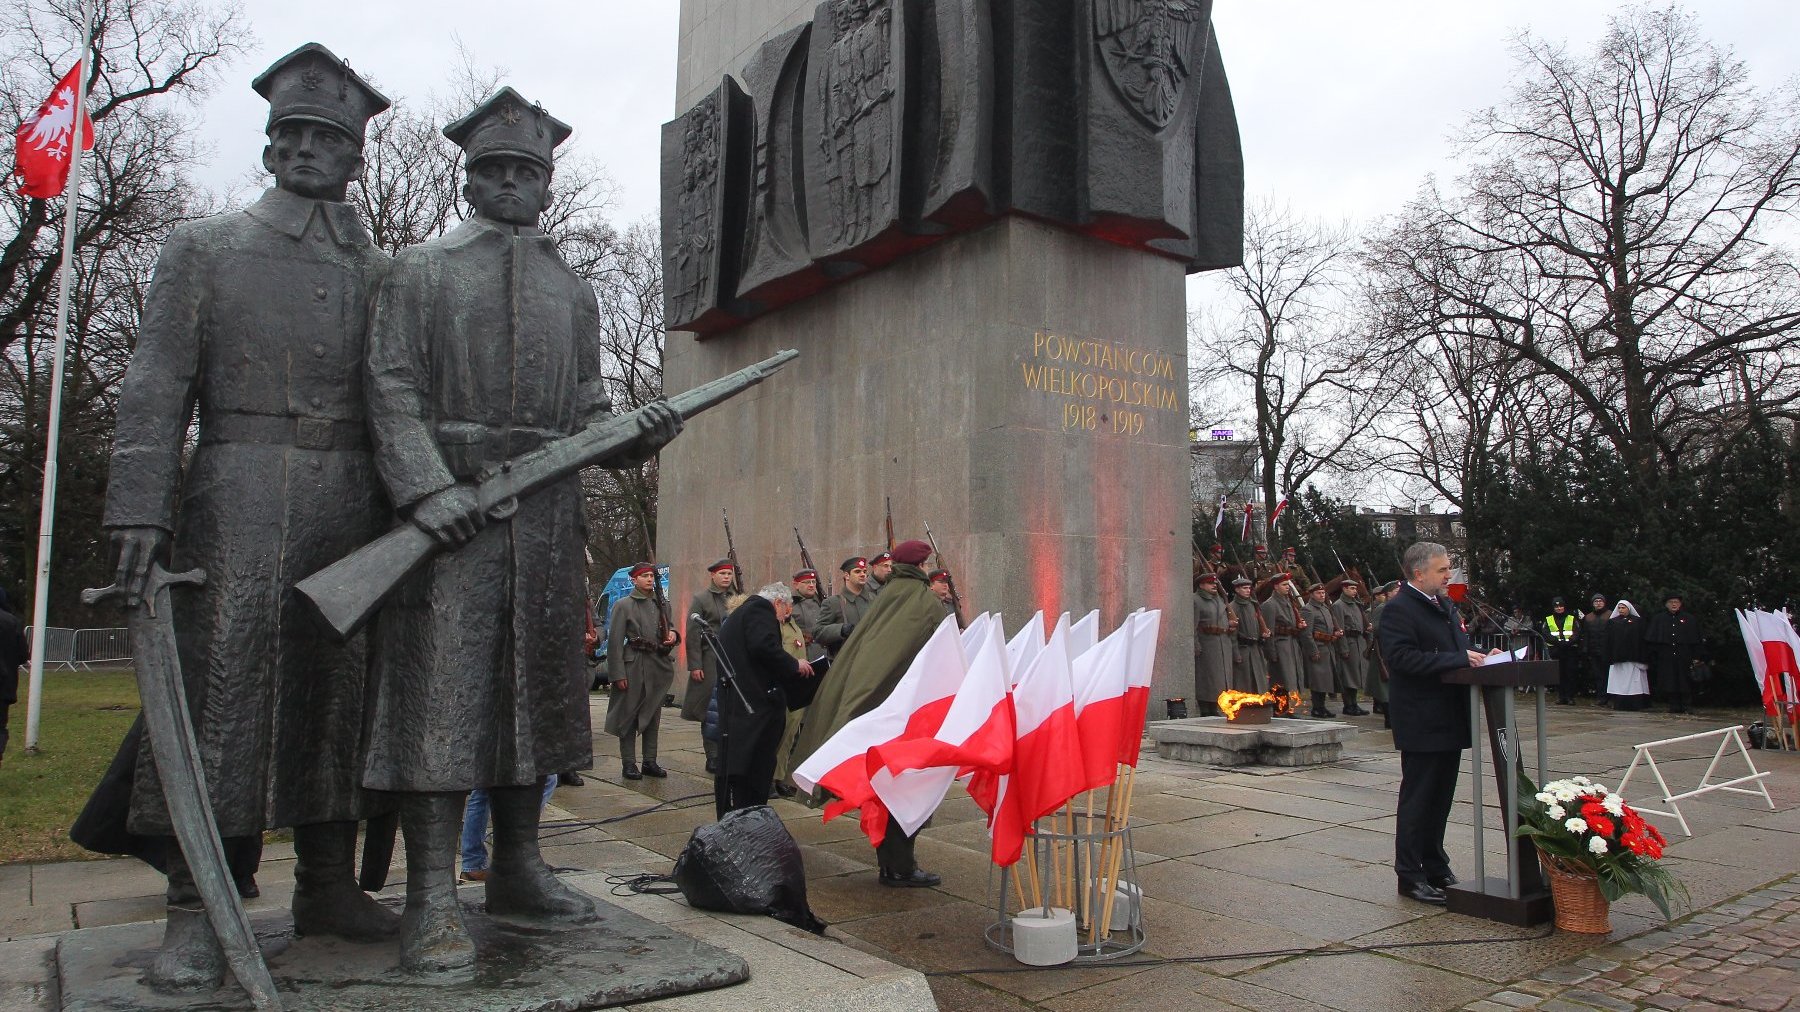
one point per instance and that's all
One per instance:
(1597, 845)
(1576, 825)
(1565, 795)
(1614, 805)
(1546, 798)
(1556, 811)
(1581, 780)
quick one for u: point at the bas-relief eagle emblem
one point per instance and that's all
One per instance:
(1148, 49)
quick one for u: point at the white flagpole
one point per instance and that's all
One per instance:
(40, 606)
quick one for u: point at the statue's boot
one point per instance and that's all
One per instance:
(191, 958)
(433, 938)
(327, 900)
(519, 883)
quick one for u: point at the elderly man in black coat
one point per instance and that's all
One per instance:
(1421, 638)
(756, 669)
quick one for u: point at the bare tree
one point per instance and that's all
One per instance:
(1292, 351)
(1616, 235)
(155, 57)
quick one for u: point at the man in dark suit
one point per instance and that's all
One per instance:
(1421, 638)
(766, 675)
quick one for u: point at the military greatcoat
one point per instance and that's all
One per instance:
(840, 610)
(1285, 651)
(1212, 647)
(254, 325)
(1318, 642)
(709, 603)
(1249, 667)
(484, 345)
(1352, 650)
(637, 621)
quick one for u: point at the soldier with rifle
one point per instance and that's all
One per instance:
(1215, 627)
(1353, 648)
(842, 610)
(949, 595)
(484, 351)
(1250, 633)
(1282, 616)
(881, 566)
(809, 596)
(1319, 648)
(640, 661)
(708, 607)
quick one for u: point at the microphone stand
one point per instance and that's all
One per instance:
(727, 676)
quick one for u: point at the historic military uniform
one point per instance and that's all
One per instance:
(1352, 650)
(807, 609)
(1212, 646)
(709, 604)
(877, 582)
(1249, 660)
(842, 610)
(1281, 614)
(1319, 645)
(635, 652)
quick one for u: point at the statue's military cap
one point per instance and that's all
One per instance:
(506, 124)
(311, 83)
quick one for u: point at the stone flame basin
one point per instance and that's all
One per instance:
(1214, 741)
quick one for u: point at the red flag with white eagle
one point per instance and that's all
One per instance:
(46, 140)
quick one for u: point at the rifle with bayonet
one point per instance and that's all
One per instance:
(806, 560)
(890, 522)
(348, 592)
(949, 577)
(737, 571)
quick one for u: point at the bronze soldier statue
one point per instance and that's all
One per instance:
(254, 326)
(485, 345)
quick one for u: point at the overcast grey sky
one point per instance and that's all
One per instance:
(1344, 106)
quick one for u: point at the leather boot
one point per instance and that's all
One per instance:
(327, 900)
(1350, 707)
(519, 883)
(1318, 708)
(433, 938)
(191, 958)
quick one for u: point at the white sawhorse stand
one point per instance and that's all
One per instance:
(1728, 736)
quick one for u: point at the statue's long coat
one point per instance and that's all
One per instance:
(254, 324)
(484, 345)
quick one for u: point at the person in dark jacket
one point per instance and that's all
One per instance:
(1627, 674)
(1674, 641)
(13, 653)
(1593, 644)
(751, 650)
(1421, 638)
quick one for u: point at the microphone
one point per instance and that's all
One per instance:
(697, 617)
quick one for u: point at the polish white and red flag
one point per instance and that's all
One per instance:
(1280, 508)
(1101, 680)
(1047, 769)
(1084, 634)
(1025, 645)
(1249, 511)
(45, 141)
(1774, 649)
(917, 706)
(911, 774)
(1140, 662)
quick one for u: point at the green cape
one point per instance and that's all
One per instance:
(880, 649)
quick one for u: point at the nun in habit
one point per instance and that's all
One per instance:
(1627, 670)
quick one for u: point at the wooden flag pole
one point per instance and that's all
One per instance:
(1118, 851)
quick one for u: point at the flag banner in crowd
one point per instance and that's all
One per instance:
(45, 149)
(1280, 508)
(1774, 648)
(1219, 521)
(1249, 511)
(1032, 722)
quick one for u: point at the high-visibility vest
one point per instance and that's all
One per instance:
(1566, 633)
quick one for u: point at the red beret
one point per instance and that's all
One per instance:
(642, 567)
(911, 552)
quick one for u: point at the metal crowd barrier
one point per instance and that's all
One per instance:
(84, 649)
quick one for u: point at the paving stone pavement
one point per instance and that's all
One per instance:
(1265, 889)
(1739, 955)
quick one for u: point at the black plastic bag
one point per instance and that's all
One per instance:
(746, 863)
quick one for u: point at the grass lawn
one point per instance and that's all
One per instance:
(86, 714)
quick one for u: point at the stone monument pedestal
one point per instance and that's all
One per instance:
(1019, 388)
(624, 959)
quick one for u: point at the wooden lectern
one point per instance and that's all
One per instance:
(1521, 897)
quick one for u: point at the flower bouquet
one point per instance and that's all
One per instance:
(1592, 841)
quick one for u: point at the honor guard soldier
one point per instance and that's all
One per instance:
(807, 604)
(1353, 646)
(1213, 629)
(881, 567)
(1282, 616)
(1249, 662)
(842, 610)
(702, 665)
(939, 581)
(1320, 648)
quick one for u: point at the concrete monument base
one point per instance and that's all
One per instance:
(1213, 741)
(624, 959)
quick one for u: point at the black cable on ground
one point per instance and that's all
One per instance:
(1324, 950)
(651, 885)
(566, 826)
